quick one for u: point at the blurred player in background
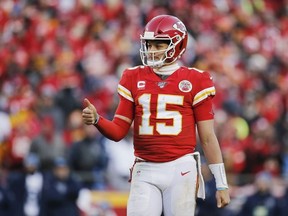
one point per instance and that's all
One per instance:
(167, 103)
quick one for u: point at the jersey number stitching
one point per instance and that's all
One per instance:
(145, 128)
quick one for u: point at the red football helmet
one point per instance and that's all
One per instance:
(164, 28)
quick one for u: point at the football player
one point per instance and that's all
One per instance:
(167, 103)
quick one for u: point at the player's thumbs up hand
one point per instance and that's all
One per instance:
(89, 113)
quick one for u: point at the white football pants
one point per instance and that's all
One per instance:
(169, 186)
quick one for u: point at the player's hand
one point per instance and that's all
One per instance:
(223, 198)
(89, 113)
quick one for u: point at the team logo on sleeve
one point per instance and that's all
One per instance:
(185, 86)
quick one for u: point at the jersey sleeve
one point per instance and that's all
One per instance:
(125, 108)
(125, 86)
(204, 111)
(205, 88)
(114, 130)
(126, 104)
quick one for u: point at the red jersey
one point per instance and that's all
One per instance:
(164, 121)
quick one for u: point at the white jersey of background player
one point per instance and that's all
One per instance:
(165, 102)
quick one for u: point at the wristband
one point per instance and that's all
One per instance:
(96, 120)
(218, 171)
(221, 189)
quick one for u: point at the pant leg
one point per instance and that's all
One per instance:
(179, 199)
(145, 197)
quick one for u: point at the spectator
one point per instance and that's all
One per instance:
(261, 202)
(283, 204)
(5, 202)
(5, 197)
(26, 189)
(48, 144)
(61, 190)
(46, 106)
(89, 160)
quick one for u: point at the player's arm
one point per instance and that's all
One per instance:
(209, 141)
(116, 129)
(211, 149)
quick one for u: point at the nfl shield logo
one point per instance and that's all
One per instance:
(161, 84)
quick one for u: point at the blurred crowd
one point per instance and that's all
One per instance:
(55, 53)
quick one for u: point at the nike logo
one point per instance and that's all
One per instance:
(184, 173)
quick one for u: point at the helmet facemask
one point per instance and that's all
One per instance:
(148, 57)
